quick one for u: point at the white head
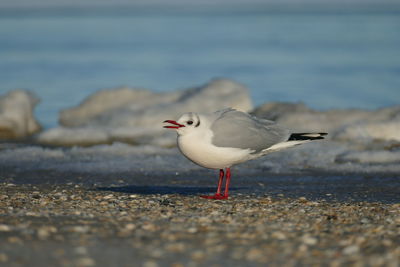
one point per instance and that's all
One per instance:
(187, 123)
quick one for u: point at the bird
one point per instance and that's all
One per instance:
(228, 137)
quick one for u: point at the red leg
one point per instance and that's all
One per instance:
(218, 194)
(221, 178)
(228, 180)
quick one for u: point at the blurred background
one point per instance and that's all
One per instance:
(327, 54)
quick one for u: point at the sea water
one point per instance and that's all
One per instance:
(324, 59)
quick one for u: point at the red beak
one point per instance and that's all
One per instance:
(174, 126)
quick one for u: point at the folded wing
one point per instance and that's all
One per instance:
(237, 129)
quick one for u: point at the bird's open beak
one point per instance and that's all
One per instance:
(174, 125)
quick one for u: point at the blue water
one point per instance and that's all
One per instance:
(325, 60)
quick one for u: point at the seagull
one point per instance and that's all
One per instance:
(228, 137)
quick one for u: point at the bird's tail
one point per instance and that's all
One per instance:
(306, 136)
(295, 139)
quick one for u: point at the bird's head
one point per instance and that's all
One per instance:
(187, 123)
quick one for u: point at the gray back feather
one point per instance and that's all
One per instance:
(240, 130)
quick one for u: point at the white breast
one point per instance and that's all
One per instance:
(199, 149)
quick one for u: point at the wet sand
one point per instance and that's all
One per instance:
(54, 219)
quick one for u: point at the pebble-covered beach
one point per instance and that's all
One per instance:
(73, 225)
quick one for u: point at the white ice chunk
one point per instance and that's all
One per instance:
(369, 131)
(136, 116)
(344, 124)
(74, 136)
(16, 114)
(129, 107)
(371, 157)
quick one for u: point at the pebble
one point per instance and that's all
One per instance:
(14, 240)
(85, 262)
(198, 255)
(175, 247)
(81, 250)
(149, 227)
(351, 250)
(79, 229)
(365, 220)
(303, 200)
(4, 228)
(157, 253)
(3, 257)
(278, 235)
(130, 226)
(111, 196)
(308, 240)
(45, 231)
(192, 230)
(150, 264)
(254, 254)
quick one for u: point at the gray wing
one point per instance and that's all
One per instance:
(240, 130)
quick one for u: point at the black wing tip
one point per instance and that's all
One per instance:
(306, 136)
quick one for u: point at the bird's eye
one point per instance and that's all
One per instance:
(190, 122)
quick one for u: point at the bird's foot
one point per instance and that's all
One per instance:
(216, 196)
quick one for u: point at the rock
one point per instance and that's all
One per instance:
(17, 120)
